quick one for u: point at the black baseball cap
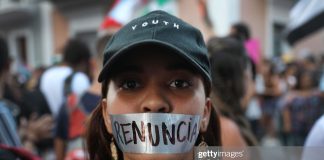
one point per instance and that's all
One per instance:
(161, 29)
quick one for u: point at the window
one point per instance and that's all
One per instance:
(22, 48)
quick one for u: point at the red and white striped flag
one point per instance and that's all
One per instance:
(125, 10)
(122, 12)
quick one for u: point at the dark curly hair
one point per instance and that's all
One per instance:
(75, 52)
(242, 31)
(228, 61)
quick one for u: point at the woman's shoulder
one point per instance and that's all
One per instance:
(230, 132)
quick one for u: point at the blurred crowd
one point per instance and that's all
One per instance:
(262, 101)
(281, 97)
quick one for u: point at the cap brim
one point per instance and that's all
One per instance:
(104, 72)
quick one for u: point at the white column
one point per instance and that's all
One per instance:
(46, 10)
(13, 52)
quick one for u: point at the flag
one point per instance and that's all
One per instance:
(124, 11)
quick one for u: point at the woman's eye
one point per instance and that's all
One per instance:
(179, 84)
(130, 84)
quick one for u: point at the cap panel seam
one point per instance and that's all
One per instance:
(154, 29)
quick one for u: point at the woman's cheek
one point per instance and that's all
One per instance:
(119, 107)
(191, 106)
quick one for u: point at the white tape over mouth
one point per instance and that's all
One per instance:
(153, 133)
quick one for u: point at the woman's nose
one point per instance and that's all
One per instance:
(155, 101)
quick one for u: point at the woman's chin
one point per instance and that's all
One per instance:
(136, 156)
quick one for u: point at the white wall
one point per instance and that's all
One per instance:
(84, 22)
(223, 13)
(277, 12)
(84, 19)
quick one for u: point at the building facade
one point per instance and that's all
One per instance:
(36, 30)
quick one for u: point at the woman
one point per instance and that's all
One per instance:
(232, 89)
(302, 108)
(155, 67)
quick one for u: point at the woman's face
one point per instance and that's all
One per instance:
(155, 81)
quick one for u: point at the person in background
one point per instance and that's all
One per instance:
(269, 100)
(288, 77)
(315, 137)
(231, 80)
(18, 141)
(76, 59)
(75, 64)
(241, 31)
(303, 108)
(69, 149)
(253, 110)
(8, 109)
(315, 141)
(34, 105)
